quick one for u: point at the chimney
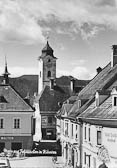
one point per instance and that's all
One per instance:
(99, 69)
(72, 84)
(51, 83)
(114, 55)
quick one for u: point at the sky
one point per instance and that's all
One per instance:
(81, 33)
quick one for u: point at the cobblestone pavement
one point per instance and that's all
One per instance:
(33, 162)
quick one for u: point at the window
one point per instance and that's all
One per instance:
(34, 125)
(115, 101)
(40, 74)
(66, 128)
(89, 160)
(49, 74)
(98, 137)
(94, 162)
(85, 130)
(84, 157)
(1, 123)
(89, 135)
(49, 120)
(76, 127)
(16, 123)
(72, 130)
(76, 131)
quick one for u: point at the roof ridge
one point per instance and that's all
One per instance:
(92, 82)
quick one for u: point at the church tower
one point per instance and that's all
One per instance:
(47, 67)
(6, 74)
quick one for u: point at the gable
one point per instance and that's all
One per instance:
(50, 99)
(13, 101)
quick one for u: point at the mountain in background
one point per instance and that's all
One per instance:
(28, 84)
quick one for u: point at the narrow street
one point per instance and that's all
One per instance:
(33, 162)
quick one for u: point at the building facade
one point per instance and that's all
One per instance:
(68, 130)
(99, 130)
(95, 109)
(16, 118)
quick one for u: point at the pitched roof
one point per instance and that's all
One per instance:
(103, 80)
(99, 81)
(75, 111)
(10, 100)
(67, 105)
(104, 114)
(65, 81)
(64, 109)
(51, 99)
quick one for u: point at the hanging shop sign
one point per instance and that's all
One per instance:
(103, 154)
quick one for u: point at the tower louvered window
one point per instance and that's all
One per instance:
(49, 74)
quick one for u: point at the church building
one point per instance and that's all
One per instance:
(52, 92)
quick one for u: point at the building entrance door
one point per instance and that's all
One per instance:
(2, 146)
(16, 145)
(73, 157)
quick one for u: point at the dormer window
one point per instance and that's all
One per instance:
(114, 97)
(115, 101)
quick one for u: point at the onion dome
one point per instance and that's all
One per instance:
(47, 50)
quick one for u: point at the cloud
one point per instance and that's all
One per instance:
(16, 25)
(18, 71)
(79, 72)
(78, 62)
(27, 21)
